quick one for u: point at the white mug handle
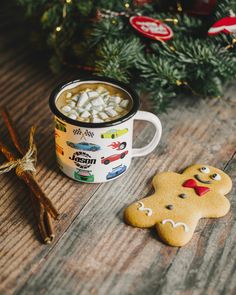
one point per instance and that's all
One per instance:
(146, 116)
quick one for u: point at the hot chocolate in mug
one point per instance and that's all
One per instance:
(99, 152)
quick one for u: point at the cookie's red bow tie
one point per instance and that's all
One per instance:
(200, 190)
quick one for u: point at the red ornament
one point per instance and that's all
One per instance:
(202, 7)
(142, 2)
(225, 25)
(151, 28)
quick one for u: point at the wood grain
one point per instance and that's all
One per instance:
(95, 252)
(99, 254)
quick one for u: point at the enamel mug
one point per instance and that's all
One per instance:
(99, 152)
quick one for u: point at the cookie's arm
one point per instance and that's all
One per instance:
(141, 213)
(214, 205)
(178, 230)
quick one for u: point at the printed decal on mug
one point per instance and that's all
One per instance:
(60, 126)
(117, 145)
(113, 133)
(84, 146)
(84, 175)
(82, 160)
(116, 171)
(113, 158)
(59, 149)
(83, 134)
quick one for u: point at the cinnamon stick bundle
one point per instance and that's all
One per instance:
(43, 208)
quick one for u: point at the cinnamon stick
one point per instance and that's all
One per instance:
(31, 182)
(43, 218)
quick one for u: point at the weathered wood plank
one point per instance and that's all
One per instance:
(99, 254)
(25, 84)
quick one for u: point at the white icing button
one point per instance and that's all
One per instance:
(66, 109)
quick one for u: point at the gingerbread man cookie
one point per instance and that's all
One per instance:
(180, 200)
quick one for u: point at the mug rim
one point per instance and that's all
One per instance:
(124, 86)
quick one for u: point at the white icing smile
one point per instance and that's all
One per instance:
(142, 208)
(176, 224)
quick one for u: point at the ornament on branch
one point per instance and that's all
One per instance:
(151, 28)
(202, 7)
(225, 25)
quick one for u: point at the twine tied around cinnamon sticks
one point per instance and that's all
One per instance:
(27, 162)
(44, 209)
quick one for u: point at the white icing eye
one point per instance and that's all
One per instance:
(216, 176)
(204, 169)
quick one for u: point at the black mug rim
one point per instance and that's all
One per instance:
(126, 87)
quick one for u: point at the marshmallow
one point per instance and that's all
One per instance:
(82, 99)
(124, 103)
(94, 105)
(97, 101)
(115, 99)
(101, 89)
(74, 112)
(72, 116)
(66, 109)
(75, 98)
(68, 95)
(71, 104)
(112, 104)
(85, 114)
(94, 112)
(97, 120)
(111, 113)
(92, 94)
(80, 110)
(103, 115)
(119, 109)
(98, 108)
(88, 106)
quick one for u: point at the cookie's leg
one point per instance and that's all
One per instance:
(177, 231)
(141, 213)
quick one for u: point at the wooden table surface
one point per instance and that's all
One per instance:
(95, 252)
